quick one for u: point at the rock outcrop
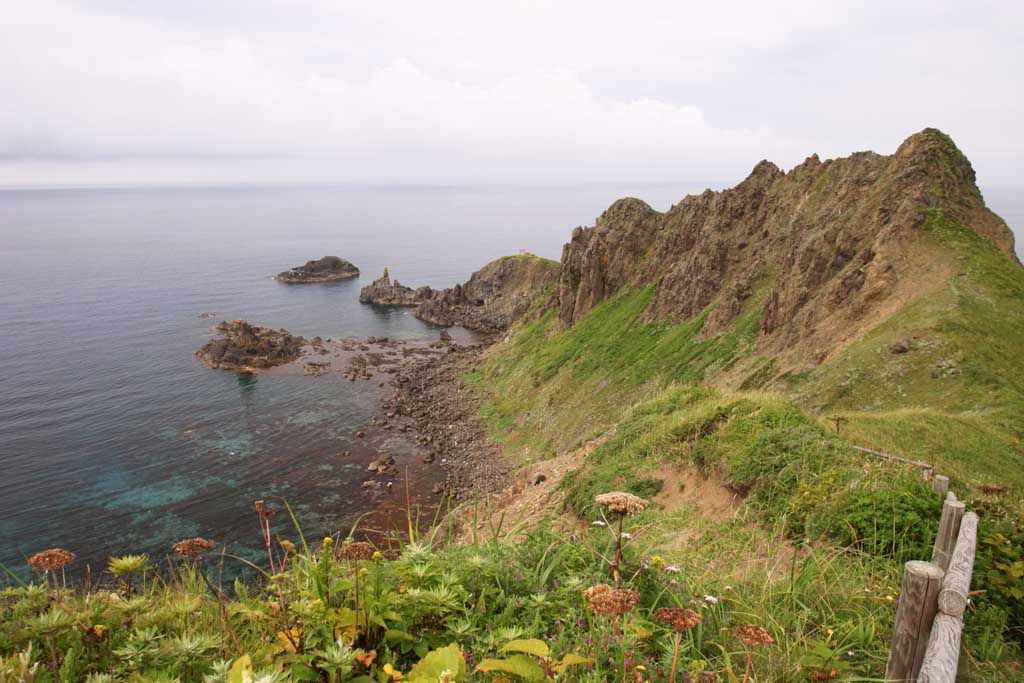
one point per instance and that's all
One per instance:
(490, 301)
(326, 269)
(243, 347)
(826, 250)
(385, 292)
(494, 297)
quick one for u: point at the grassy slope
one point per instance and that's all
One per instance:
(653, 388)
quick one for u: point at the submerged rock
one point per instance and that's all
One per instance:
(326, 269)
(243, 347)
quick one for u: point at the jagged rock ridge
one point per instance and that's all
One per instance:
(838, 244)
(242, 347)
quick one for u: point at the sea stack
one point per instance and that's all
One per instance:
(326, 269)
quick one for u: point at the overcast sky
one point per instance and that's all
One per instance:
(438, 92)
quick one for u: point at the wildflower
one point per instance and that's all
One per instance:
(711, 599)
(98, 630)
(377, 555)
(621, 502)
(392, 672)
(889, 598)
(728, 588)
(288, 546)
(657, 562)
(599, 522)
(641, 667)
(364, 571)
(673, 569)
(626, 535)
(677, 619)
(49, 560)
(359, 550)
(328, 541)
(611, 602)
(192, 548)
(753, 635)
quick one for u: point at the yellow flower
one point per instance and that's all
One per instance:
(316, 603)
(657, 562)
(364, 571)
(377, 555)
(392, 673)
(829, 632)
(641, 667)
(889, 598)
(98, 630)
(328, 540)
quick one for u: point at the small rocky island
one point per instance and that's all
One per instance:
(244, 348)
(326, 269)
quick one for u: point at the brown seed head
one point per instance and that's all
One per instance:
(611, 602)
(621, 502)
(193, 547)
(677, 619)
(360, 550)
(753, 635)
(263, 511)
(48, 560)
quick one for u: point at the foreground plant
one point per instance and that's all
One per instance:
(679, 620)
(613, 603)
(753, 637)
(521, 666)
(126, 567)
(622, 504)
(49, 561)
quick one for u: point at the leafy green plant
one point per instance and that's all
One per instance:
(540, 667)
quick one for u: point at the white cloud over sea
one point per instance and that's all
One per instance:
(428, 92)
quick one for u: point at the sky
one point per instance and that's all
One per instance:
(423, 92)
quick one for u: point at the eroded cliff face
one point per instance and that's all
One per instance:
(829, 249)
(494, 296)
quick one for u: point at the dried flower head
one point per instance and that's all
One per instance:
(263, 511)
(611, 602)
(677, 618)
(622, 502)
(753, 635)
(193, 547)
(48, 560)
(360, 550)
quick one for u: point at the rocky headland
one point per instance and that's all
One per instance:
(243, 347)
(492, 299)
(326, 269)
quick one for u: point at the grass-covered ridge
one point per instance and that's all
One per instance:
(663, 396)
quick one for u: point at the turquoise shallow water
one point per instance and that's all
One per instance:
(115, 439)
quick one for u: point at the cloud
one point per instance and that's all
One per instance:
(441, 92)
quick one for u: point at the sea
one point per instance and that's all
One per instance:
(115, 439)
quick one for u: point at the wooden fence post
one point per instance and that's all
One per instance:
(915, 613)
(943, 651)
(940, 484)
(957, 584)
(949, 527)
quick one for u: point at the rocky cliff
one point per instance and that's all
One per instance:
(828, 249)
(494, 297)
(490, 301)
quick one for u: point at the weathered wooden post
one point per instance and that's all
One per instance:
(940, 484)
(915, 612)
(943, 651)
(949, 527)
(957, 585)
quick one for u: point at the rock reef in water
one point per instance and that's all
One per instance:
(327, 269)
(243, 347)
(387, 292)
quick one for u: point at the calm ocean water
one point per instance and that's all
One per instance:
(115, 439)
